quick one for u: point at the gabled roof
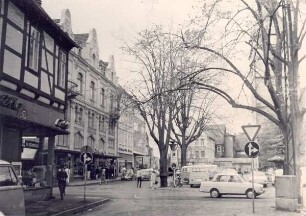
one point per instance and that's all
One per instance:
(81, 38)
(216, 132)
(35, 13)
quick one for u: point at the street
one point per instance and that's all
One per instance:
(126, 199)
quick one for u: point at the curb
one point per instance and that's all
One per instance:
(81, 208)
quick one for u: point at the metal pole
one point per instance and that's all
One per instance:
(85, 178)
(253, 185)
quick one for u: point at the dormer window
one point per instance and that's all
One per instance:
(93, 59)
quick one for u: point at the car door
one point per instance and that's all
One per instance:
(11, 192)
(222, 184)
(235, 184)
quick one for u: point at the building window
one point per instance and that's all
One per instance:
(33, 47)
(61, 140)
(111, 107)
(78, 140)
(61, 77)
(219, 148)
(101, 123)
(92, 90)
(80, 83)
(197, 155)
(111, 144)
(202, 142)
(202, 154)
(91, 119)
(78, 115)
(102, 97)
(91, 142)
(102, 145)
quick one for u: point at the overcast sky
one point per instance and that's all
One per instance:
(116, 19)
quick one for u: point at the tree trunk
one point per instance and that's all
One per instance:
(163, 168)
(183, 155)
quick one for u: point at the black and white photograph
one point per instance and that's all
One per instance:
(152, 107)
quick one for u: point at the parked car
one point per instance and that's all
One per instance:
(234, 184)
(259, 177)
(11, 191)
(146, 174)
(128, 175)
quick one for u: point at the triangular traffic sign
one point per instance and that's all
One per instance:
(251, 131)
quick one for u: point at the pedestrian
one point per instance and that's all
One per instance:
(61, 180)
(67, 170)
(139, 178)
(102, 178)
(153, 179)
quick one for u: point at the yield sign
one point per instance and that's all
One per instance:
(251, 131)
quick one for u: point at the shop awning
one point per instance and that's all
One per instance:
(31, 128)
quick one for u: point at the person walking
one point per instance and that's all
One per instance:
(102, 177)
(139, 178)
(61, 180)
(153, 180)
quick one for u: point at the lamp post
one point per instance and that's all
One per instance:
(173, 145)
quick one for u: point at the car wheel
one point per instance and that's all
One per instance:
(250, 194)
(191, 185)
(214, 193)
(265, 185)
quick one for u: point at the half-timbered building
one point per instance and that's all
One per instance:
(33, 84)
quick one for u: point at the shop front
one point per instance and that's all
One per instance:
(125, 162)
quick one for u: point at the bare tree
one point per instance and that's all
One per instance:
(155, 53)
(193, 113)
(271, 31)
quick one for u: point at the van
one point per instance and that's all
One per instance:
(12, 190)
(197, 175)
(186, 170)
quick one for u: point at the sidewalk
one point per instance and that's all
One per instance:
(70, 205)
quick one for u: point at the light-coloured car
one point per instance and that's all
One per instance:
(11, 191)
(230, 184)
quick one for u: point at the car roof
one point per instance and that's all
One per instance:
(2, 162)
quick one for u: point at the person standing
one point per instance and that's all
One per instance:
(139, 178)
(61, 180)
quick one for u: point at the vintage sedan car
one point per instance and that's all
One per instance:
(230, 184)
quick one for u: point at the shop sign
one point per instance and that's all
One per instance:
(31, 144)
(13, 104)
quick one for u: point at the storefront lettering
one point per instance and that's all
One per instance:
(13, 104)
(31, 144)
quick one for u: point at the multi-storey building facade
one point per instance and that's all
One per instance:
(202, 150)
(33, 85)
(92, 109)
(133, 141)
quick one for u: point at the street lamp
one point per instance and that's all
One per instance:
(173, 145)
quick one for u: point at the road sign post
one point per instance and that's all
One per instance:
(86, 158)
(252, 150)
